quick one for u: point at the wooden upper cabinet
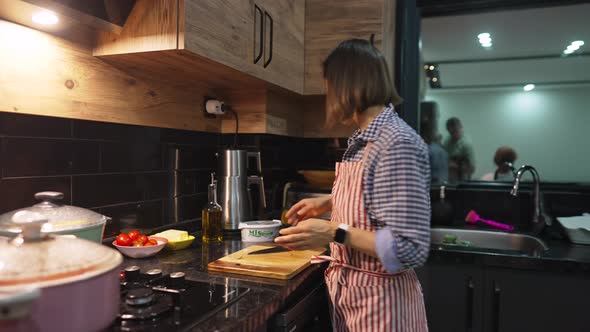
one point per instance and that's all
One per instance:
(283, 30)
(328, 23)
(263, 39)
(221, 30)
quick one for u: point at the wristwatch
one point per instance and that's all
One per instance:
(341, 232)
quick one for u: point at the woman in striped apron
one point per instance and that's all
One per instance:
(380, 227)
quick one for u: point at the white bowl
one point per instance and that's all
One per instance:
(260, 230)
(141, 252)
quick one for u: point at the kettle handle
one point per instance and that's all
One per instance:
(259, 181)
(256, 155)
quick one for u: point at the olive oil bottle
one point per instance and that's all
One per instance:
(211, 215)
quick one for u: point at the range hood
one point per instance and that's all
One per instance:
(108, 15)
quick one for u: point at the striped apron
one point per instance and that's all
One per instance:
(364, 296)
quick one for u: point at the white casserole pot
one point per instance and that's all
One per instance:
(56, 283)
(260, 230)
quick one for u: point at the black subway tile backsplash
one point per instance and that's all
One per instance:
(126, 157)
(110, 189)
(142, 216)
(115, 132)
(190, 207)
(46, 156)
(19, 193)
(12, 124)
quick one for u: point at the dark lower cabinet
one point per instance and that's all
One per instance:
(453, 296)
(520, 300)
(474, 298)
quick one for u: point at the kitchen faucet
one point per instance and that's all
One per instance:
(539, 216)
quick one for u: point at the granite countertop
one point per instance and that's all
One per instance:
(267, 296)
(250, 312)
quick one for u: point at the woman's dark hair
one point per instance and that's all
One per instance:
(504, 154)
(357, 77)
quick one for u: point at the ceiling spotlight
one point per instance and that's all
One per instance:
(425, 67)
(528, 87)
(568, 51)
(45, 18)
(578, 43)
(485, 40)
(483, 35)
(431, 67)
(487, 44)
(434, 79)
(573, 47)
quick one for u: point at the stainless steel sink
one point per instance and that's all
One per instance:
(500, 241)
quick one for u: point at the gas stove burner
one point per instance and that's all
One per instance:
(139, 296)
(143, 303)
(154, 301)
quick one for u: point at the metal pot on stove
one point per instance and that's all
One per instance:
(56, 283)
(61, 219)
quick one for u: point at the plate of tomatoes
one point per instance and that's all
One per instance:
(137, 245)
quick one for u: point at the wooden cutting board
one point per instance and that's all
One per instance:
(280, 265)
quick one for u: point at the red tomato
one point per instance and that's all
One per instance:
(149, 243)
(153, 242)
(123, 240)
(134, 235)
(137, 244)
(143, 239)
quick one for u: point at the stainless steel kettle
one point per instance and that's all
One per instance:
(233, 186)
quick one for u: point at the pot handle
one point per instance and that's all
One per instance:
(48, 199)
(49, 196)
(17, 305)
(30, 224)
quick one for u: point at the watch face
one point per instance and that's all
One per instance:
(340, 235)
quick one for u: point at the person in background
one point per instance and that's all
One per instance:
(504, 159)
(439, 160)
(380, 202)
(460, 151)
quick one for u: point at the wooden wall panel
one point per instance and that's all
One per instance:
(250, 105)
(328, 23)
(151, 26)
(284, 113)
(45, 75)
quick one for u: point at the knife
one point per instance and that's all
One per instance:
(269, 251)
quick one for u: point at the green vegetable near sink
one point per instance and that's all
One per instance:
(494, 240)
(452, 240)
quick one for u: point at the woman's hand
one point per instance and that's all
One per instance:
(308, 234)
(309, 208)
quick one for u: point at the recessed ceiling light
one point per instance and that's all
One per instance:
(568, 51)
(528, 87)
(573, 47)
(578, 43)
(425, 67)
(483, 35)
(485, 40)
(431, 67)
(434, 79)
(487, 44)
(45, 18)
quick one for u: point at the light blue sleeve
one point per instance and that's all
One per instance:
(387, 250)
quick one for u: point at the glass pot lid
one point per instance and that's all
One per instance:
(37, 259)
(59, 217)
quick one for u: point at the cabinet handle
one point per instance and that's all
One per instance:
(267, 62)
(496, 308)
(469, 308)
(257, 10)
(372, 39)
